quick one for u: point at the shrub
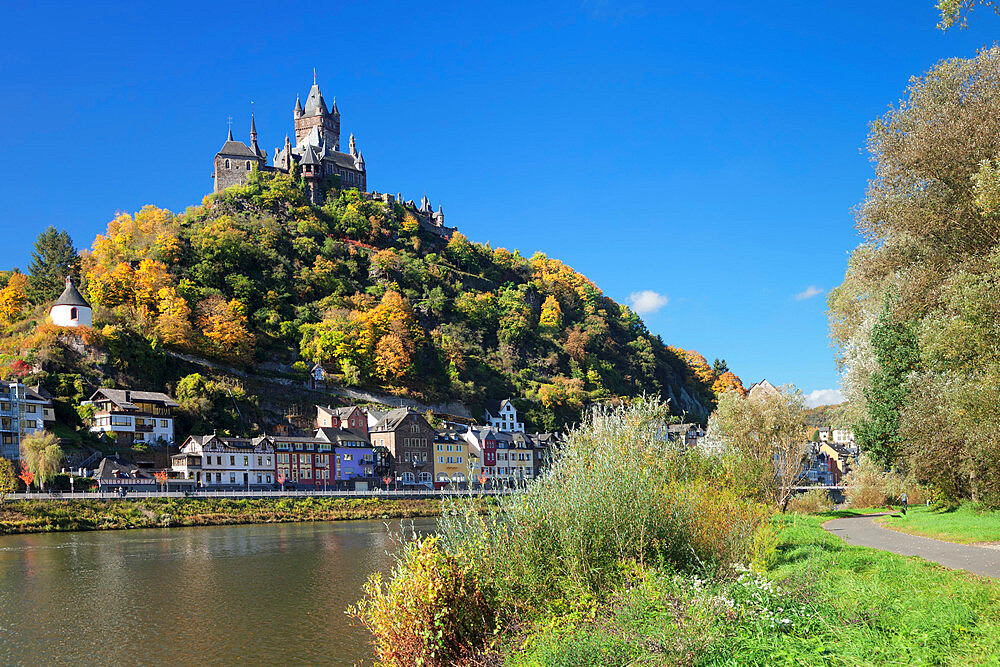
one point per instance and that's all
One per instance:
(868, 485)
(620, 492)
(811, 502)
(434, 610)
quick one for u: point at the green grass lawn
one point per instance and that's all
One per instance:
(821, 602)
(967, 524)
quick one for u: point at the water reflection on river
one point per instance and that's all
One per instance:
(269, 594)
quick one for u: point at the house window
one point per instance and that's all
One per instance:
(72, 313)
(227, 164)
(248, 165)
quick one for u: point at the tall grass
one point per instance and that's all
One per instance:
(621, 498)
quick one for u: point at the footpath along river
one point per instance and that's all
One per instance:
(249, 595)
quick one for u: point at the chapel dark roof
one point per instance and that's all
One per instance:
(71, 296)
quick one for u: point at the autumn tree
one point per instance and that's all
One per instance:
(729, 381)
(224, 325)
(13, 299)
(42, 455)
(551, 318)
(8, 478)
(52, 261)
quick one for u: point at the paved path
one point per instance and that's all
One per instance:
(863, 531)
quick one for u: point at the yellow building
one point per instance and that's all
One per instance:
(451, 458)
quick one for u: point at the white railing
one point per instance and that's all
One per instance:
(232, 493)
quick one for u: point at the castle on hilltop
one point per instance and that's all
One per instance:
(318, 156)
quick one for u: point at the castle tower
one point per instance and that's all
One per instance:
(316, 114)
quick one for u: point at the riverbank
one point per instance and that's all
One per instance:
(820, 601)
(967, 524)
(120, 514)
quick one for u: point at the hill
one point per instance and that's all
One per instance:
(254, 285)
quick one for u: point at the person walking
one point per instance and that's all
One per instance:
(902, 502)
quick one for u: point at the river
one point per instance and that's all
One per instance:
(260, 594)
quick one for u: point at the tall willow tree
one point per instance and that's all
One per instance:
(931, 227)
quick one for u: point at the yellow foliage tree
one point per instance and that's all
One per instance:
(551, 317)
(224, 324)
(112, 288)
(393, 356)
(13, 299)
(173, 325)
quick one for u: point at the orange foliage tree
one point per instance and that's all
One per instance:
(26, 475)
(729, 381)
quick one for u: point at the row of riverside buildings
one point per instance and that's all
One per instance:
(360, 448)
(351, 447)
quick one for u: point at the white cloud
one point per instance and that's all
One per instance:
(809, 293)
(647, 301)
(819, 397)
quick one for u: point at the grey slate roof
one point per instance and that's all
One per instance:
(114, 469)
(71, 297)
(117, 396)
(341, 437)
(392, 419)
(315, 104)
(236, 149)
(494, 407)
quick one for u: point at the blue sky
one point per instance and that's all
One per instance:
(704, 157)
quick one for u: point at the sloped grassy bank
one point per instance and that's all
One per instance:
(818, 602)
(40, 516)
(632, 552)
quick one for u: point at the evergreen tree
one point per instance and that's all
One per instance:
(719, 366)
(53, 258)
(897, 354)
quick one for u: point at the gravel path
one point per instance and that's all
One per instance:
(863, 531)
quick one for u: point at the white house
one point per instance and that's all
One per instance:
(843, 436)
(212, 460)
(502, 416)
(37, 411)
(133, 416)
(71, 309)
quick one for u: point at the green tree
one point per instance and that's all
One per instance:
(53, 259)
(8, 479)
(896, 353)
(719, 366)
(956, 12)
(42, 454)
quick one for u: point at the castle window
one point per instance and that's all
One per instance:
(248, 165)
(72, 313)
(227, 164)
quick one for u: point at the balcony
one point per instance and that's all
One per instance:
(143, 428)
(418, 464)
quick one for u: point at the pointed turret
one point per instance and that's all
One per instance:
(261, 154)
(353, 149)
(298, 107)
(230, 138)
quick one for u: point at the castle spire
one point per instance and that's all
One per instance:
(353, 148)
(298, 107)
